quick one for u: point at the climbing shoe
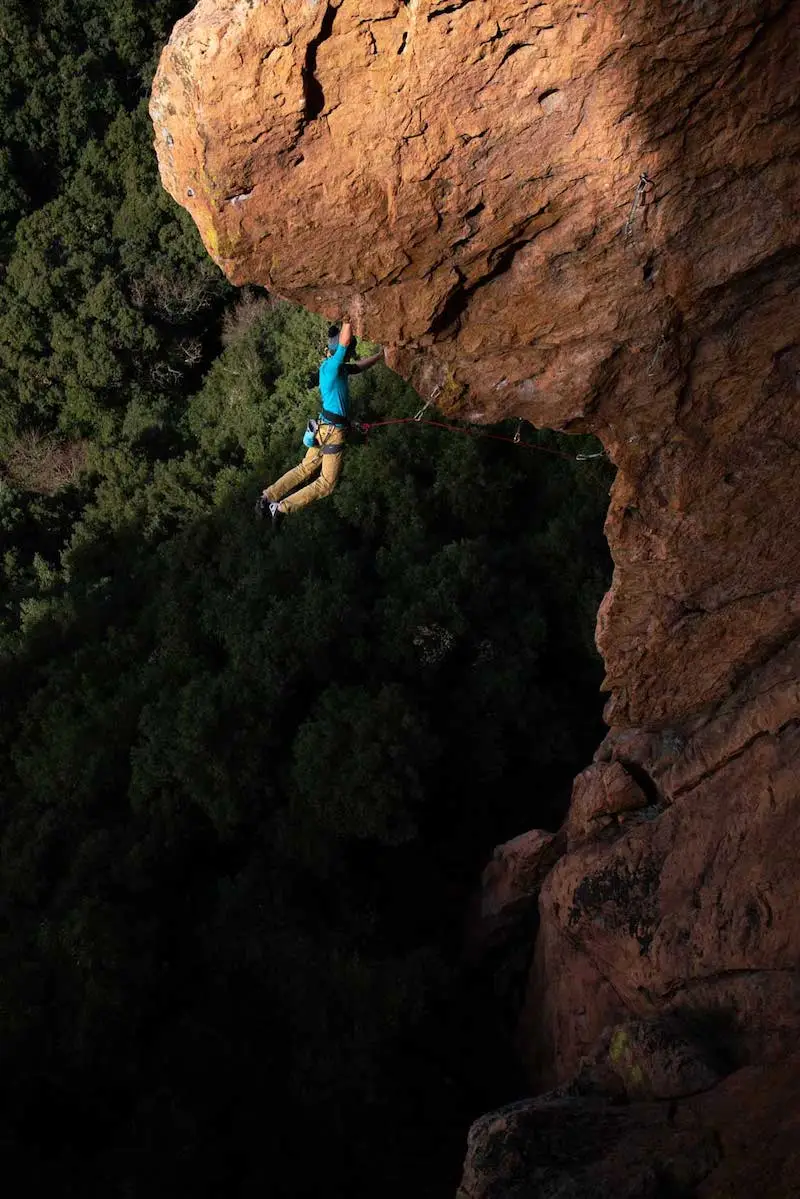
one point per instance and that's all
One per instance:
(264, 508)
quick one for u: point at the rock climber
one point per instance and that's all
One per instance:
(326, 436)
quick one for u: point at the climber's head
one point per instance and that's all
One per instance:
(333, 342)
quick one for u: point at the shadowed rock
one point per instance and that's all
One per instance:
(738, 1140)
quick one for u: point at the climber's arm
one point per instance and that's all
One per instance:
(364, 364)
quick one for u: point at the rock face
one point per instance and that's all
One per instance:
(690, 906)
(510, 889)
(737, 1141)
(602, 796)
(464, 179)
(583, 214)
(648, 1059)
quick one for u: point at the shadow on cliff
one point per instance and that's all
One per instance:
(700, 401)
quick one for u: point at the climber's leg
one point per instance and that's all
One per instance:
(296, 476)
(330, 450)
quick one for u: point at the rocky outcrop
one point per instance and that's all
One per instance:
(738, 1140)
(603, 796)
(509, 890)
(583, 214)
(649, 1059)
(465, 180)
(690, 905)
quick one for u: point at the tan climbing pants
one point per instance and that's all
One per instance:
(329, 465)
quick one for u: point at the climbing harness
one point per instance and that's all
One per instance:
(334, 418)
(638, 200)
(366, 427)
(311, 435)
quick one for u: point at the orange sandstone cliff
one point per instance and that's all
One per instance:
(586, 215)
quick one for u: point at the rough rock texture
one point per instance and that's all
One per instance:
(648, 1059)
(602, 797)
(465, 178)
(690, 905)
(738, 1141)
(510, 888)
(552, 1148)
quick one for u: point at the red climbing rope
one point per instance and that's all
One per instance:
(470, 431)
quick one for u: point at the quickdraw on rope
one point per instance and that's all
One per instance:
(655, 361)
(437, 391)
(366, 427)
(644, 182)
(470, 431)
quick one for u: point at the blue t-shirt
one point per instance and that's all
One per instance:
(333, 383)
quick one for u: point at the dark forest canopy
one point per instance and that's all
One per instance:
(67, 68)
(248, 781)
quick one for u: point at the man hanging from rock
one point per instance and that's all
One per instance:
(325, 437)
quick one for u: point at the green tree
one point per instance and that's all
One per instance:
(248, 781)
(106, 285)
